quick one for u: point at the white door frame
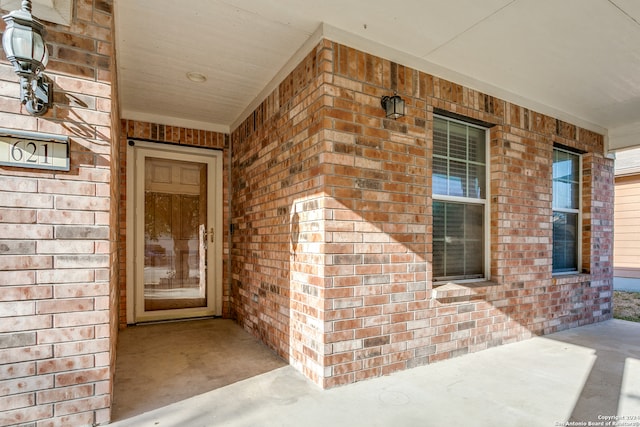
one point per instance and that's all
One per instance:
(135, 203)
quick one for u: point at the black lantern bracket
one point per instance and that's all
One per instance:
(393, 106)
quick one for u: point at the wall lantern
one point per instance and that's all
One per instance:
(393, 106)
(24, 45)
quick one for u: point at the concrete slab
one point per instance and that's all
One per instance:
(159, 364)
(585, 374)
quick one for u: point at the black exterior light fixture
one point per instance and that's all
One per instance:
(24, 45)
(393, 106)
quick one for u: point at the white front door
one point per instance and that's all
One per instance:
(177, 222)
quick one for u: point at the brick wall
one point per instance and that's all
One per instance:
(172, 135)
(331, 205)
(277, 203)
(57, 234)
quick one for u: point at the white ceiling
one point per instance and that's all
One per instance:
(578, 60)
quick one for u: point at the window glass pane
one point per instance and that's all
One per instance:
(561, 192)
(454, 214)
(457, 141)
(440, 185)
(474, 239)
(458, 240)
(566, 195)
(575, 196)
(565, 233)
(459, 167)
(438, 259)
(438, 239)
(477, 181)
(565, 180)
(438, 220)
(440, 137)
(477, 145)
(457, 179)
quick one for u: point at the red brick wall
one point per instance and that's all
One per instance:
(331, 203)
(276, 212)
(174, 135)
(57, 235)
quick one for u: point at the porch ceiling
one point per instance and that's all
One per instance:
(575, 59)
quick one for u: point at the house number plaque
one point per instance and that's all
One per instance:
(34, 150)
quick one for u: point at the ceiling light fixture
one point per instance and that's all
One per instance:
(196, 77)
(24, 45)
(393, 106)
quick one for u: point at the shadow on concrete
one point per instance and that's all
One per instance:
(616, 348)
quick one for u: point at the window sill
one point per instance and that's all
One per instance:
(572, 277)
(566, 273)
(451, 292)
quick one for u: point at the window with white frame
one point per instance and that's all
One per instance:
(459, 200)
(566, 211)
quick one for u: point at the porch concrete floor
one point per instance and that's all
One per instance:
(583, 374)
(163, 363)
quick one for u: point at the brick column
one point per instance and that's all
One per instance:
(57, 290)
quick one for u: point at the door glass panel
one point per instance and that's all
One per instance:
(174, 234)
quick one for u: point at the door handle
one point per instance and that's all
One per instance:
(211, 234)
